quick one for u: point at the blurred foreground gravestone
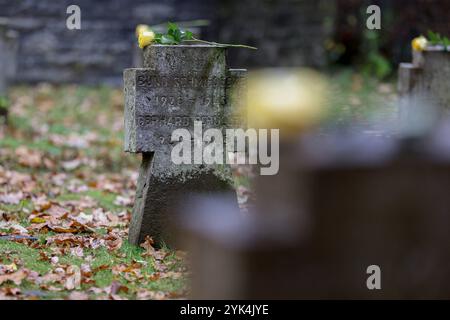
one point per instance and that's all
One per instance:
(338, 205)
(424, 86)
(178, 85)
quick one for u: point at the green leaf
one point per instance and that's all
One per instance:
(158, 37)
(177, 35)
(435, 38)
(174, 31)
(446, 43)
(168, 39)
(186, 35)
(171, 27)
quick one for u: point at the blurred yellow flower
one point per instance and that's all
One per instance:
(141, 28)
(419, 43)
(291, 100)
(145, 38)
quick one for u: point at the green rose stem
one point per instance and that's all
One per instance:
(221, 44)
(175, 35)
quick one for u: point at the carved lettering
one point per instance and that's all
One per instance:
(194, 82)
(179, 121)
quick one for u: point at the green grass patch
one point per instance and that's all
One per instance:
(29, 257)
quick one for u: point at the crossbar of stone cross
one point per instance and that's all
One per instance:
(177, 86)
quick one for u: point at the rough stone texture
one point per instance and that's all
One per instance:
(338, 205)
(170, 93)
(179, 85)
(436, 75)
(423, 85)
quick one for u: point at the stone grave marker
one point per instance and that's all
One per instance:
(178, 85)
(423, 85)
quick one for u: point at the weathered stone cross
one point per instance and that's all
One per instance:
(177, 86)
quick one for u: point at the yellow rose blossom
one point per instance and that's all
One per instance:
(141, 28)
(419, 43)
(145, 38)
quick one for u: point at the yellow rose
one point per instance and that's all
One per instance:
(145, 38)
(419, 43)
(141, 28)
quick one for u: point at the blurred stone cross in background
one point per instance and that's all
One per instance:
(177, 86)
(424, 89)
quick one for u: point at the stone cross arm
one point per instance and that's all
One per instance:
(156, 105)
(179, 85)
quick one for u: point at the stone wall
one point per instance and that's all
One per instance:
(98, 52)
(288, 32)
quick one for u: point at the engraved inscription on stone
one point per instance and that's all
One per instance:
(155, 121)
(158, 103)
(191, 81)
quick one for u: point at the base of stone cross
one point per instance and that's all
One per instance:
(160, 190)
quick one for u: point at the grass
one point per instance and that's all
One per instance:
(105, 199)
(59, 124)
(30, 259)
(29, 256)
(360, 99)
